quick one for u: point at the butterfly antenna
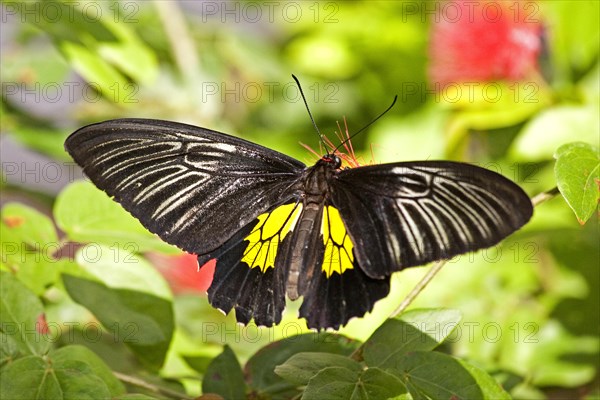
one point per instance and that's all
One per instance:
(368, 125)
(309, 113)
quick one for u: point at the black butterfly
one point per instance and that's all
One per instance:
(329, 234)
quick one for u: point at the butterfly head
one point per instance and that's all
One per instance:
(333, 160)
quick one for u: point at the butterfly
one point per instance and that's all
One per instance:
(329, 234)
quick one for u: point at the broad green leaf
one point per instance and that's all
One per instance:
(433, 375)
(64, 21)
(9, 349)
(130, 55)
(416, 330)
(88, 215)
(81, 353)
(198, 363)
(555, 361)
(301, 367)
(29, 242)
(575, 38)
(142, 321)
(438, 323)
(490, 388)
(577, 171)
(135, 396)
(260, 368)
(33, 377)
(19, 313)
(334, 383)
(101, 75)
(553, 127)
(224, 376)
(122, 268)
(23, 224)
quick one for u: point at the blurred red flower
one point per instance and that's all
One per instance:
(484, 41)
(181, 271)
(41, 326)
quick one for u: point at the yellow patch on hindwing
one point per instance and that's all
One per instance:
(338, 246)
(268, 234)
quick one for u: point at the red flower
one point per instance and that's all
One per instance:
(181, 271)
(41, 326)
(484, 41)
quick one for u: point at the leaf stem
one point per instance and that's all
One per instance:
(544, 196)
(418, 288)
(132, 380)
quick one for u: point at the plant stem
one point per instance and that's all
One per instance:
(132, 380)
(418, 288)
(544, 196)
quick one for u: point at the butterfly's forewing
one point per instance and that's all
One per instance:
(192, 186)
(407, 214)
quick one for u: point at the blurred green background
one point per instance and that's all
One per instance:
(530, 305)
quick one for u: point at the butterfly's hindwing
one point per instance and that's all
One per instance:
(337, 289)
(249, 277)
(407, 214)
(330, 301)
(192, 186)
(338, 246)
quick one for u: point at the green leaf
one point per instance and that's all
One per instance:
(135, 396)
(198, 363)
(68, 21)
(23, 224)
(260, 367)
(121, 268)
(422, 330)
(577, 171)
(100, 74)
(19, 312)
(341, 383)
(490, 388)
(429, 374)
(33, 377)
(9, 349)
(572, 25)
(29, 241)
(81, 353)
(87, 214)
(301, 367)
(553, 127)
(142, 321)
(224, 376)
(438, 323)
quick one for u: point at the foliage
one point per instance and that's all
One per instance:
(84, 310)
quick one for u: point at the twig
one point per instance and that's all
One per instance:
(544, 196)
(418, 288)
(132, 380)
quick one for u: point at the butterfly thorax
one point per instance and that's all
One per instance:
(315, 192)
